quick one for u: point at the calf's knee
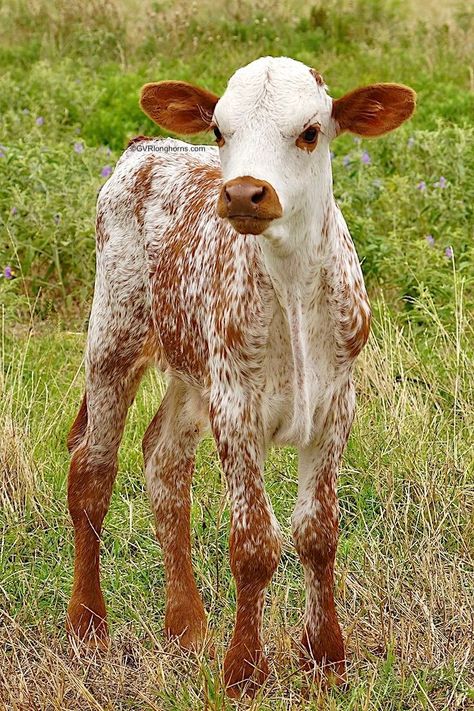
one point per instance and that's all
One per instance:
(254, 558)
(315, 539)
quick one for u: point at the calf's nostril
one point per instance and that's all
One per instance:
(227, 196)
(258, 195)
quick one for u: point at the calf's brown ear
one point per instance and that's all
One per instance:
(178, 106)
(373, 110)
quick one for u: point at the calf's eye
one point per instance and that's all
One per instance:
(219, 137)
(310, 135)
(308, 139)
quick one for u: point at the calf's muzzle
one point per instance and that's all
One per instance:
(249, 204)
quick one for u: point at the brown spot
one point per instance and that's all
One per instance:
(138, 139)
(318, 77)
(361, 335)
(141, 189)
(101, 234)
(234, 337)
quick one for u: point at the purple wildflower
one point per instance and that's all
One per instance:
(2, 154)
(106, 171)
(7, 272)
(39, 121)
(441, 183)
(79, 147)
(346, 160)
(14, 211)
(430, 239)
(421, 185)
(365, 158)
(411, 142)
(449, 252)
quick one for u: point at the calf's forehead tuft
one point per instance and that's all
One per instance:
(282, 87)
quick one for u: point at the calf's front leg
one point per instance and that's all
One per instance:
(254, 538)
(315, 532)
(169, 446)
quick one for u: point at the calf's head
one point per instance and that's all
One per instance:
(273, 126)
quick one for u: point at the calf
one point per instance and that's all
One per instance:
(233, 270)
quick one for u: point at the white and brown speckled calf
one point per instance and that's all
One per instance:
(256, 311)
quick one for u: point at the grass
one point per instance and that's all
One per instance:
(405, 566)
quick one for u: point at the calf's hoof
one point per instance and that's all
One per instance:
(245, 670)
(324, 657)
(187, 624)
(86, 624)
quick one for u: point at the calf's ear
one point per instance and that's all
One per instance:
(373, 110)
(178, 106)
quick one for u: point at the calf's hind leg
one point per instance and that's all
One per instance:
(94, 441)
(168, 448)
(78, 429)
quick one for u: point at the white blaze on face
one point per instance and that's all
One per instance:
(266, 106)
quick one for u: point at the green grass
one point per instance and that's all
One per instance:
(404, 568)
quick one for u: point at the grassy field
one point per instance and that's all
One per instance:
(69, 81)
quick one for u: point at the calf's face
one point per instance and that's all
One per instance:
(273, 126)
